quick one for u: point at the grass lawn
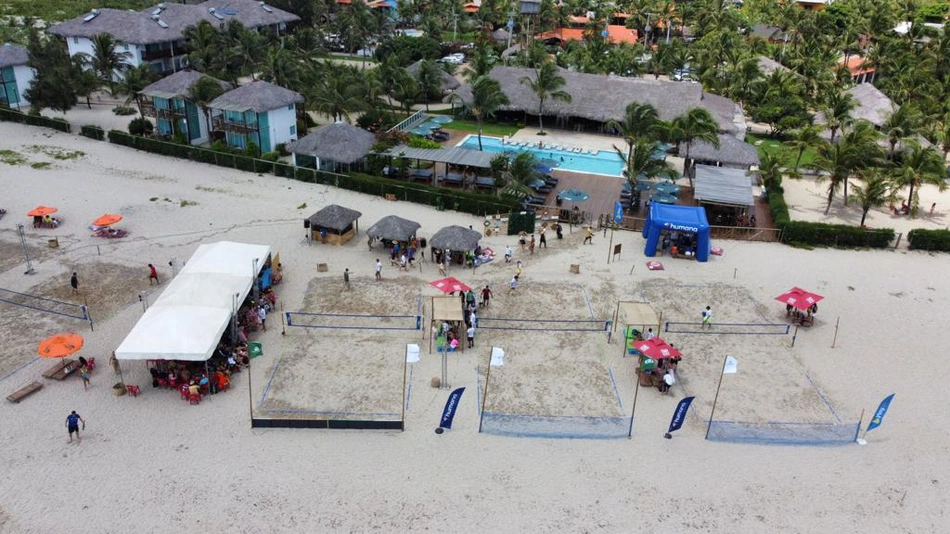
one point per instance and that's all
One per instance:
(771, 145)
(497, 130)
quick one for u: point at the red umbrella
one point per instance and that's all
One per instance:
(42, 211)
(657, 349)
(107, 220)
(799, 298)
(449, 285)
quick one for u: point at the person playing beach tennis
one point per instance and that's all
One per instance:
(486, 295)
(152, 274)
(72, 425)
(707, 317)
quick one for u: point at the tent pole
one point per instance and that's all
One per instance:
(716, 398)
(636, 391)
(250, 394)
(481, 415)
(405, 369)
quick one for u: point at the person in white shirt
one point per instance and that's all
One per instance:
(650, 335)
(470, 333)
(507, 254)
(379, 270)
(262, 315)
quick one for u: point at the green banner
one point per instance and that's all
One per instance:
(254, 349)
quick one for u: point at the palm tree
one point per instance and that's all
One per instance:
(862, 140)
(876, 191)
(106, 59)
(838, 161)
(429, 77)
(406, 91)
(487, 98)
(249, 47)
(481, 62)
(770, 170)
(697, 124)
(281, 68)
(202, 93)
(205, 45)
(918, 167)
(802, 140)
(641, 163)
(547, 83)
(943, 135)
(135, 80)
(336, 94)
(838, 108)
(519, 175)
(640, 122)
(901, 125)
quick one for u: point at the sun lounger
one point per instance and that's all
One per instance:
(24, 392)
(453, 178)
(110, 233)
(484, 181)
(61, 370)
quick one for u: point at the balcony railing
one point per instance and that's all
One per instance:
(149, 110)
(221, 124)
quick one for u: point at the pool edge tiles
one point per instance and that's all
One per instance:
(569, 161)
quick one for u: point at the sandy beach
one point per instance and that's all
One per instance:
(156, 464)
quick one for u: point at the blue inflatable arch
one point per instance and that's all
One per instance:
(680, 219)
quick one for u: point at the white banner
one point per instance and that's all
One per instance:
(497, 356)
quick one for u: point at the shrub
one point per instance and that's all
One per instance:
(93, 132)
(777, 206)
(376, 120)
(922, 239)
(836, 235)
(417, 141)
(270, 156)
(124, 110)
(140, 126)
(281, 149)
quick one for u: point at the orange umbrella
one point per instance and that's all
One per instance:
(42, 211)
(107, 220)
(60, 345)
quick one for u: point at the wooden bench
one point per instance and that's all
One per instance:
(61, 370)
(24, 392)
(390, 196)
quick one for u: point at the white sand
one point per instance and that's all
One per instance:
(156, 464)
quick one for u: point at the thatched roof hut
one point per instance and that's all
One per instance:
(449, 82)
(334, 224)
(177, 85)
(334, 143)
(602, 98)
(393, 228)
(731, 152)
(455, 238)
(258, 96)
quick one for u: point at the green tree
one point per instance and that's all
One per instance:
(131, 85)
(697, 124)
(52, 86)
(429, 77)
(920, 166)
(900, 126)
(280, 67)
(106, 59)
(519, 175)
(337, 93)
(640, 162)
(487, 98)
(875, 190)
(838, 108)
(640, 122)
(202, 93)
(546, 84)
(85, 81)
(803, 139)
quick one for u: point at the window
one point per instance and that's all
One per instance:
(290, 107)
(293, 130)
(75, 40)
(125, 46)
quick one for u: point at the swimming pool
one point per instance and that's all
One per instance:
(606, 162)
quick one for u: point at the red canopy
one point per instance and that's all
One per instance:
(799, 298)
(42, 211)
(449, 285)
(657, 349)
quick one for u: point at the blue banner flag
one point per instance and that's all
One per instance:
(680, 414)
(450, 406)
(618, 212)
(880, 413)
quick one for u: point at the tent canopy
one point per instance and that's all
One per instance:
(682, 219)
(723, 185)
(187, 320)
(447, 309)
(638, 314)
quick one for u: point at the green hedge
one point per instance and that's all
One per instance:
(93, 132)
(835, 235)
(464, 201)
(777, 207)
(34, 120)
(922, 239)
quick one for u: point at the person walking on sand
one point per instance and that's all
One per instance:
(507, 253)
(518, 269)
(588, 236)
(707, 317)
(470, 334)
(152, 275)
(72, 425)
(379, 270)
(84, 375)
(262, 315)
(513, 286)
(114, 362)
(486, 295)
(531, 245)
(74, 282)
(933, 207)
(542, 241)
(346, 279)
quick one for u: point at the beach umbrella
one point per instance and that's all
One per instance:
(799, 298)
(542, 169)
(455, 238)
(441, 119)
(42, 211)
(60, 345)
(574, 195)
(421, 130)
(107, 220)
(662, 198)
(657, 349)
(643, 186)
(667, 188)
(449, 285)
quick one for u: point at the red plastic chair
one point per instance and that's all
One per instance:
(162, 383)
(133, 390)
(91, 364)
(172, 382)
(194, 399)
(183, 390)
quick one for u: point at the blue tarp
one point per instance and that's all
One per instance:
(682, 219)
(265, 279)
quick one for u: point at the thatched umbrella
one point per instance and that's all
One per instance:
(335, 221)
(455, 238)
(393, 228)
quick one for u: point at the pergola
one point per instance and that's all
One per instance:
(447, 309)
(452, 156)
(637, 316)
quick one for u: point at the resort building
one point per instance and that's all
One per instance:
(155, 36)
(333, 147)
(598, 99)
(259, 112)
(174, 112)
(15, 76)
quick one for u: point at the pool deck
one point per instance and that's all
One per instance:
(565, 138)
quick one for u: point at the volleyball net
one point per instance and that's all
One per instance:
(755, 329)
(353, 321)
(45, 305)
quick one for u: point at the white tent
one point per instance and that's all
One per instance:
(187, 320)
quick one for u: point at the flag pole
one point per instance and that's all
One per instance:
(716, 398)
(860, 424)
(611, 245)
(481, 415)
(636, 391)
(405, 371)
(250, 394)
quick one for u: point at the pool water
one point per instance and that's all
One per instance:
(606, 162)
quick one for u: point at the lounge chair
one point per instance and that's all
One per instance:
(24, 392)
(110, 233)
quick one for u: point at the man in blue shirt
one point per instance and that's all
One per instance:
(72, 425)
